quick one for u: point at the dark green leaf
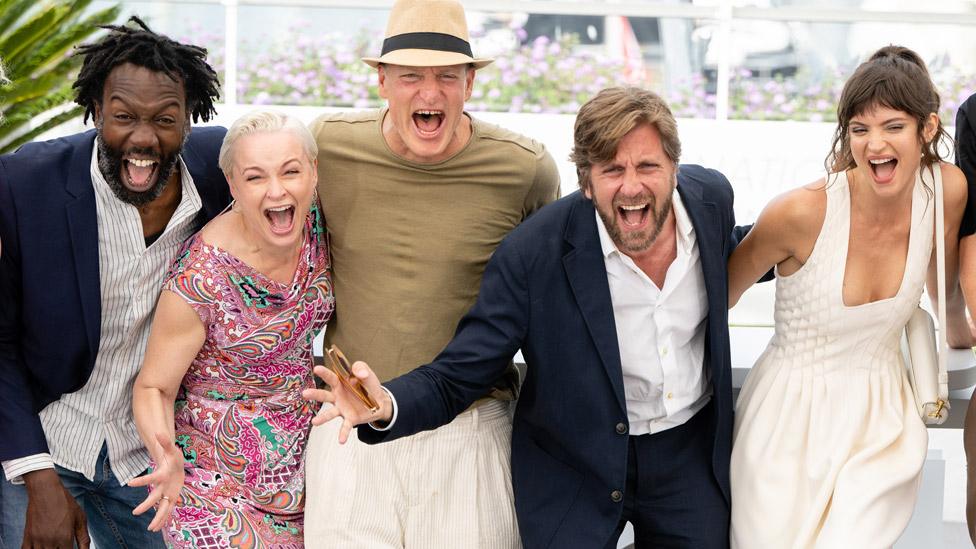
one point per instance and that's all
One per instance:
(11, 11)
(27, 35)
(47, 125)
(55, 48)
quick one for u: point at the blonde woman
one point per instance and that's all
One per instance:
(230, 351)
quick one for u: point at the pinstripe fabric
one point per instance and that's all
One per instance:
(450, 487)
(130, 277)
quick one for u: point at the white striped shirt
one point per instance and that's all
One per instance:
(130, 277)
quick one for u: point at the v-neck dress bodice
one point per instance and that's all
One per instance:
(828, 446)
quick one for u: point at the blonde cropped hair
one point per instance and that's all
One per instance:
(264, 121)
(602, 122)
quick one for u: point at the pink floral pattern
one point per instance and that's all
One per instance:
(240, 417)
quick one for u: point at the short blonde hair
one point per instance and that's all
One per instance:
(602, 122)
(263, 121)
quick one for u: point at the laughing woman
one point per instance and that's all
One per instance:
(218, 402)
(828, 445)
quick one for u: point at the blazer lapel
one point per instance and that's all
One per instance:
(711, 243)
(83, 232)
(587, 274)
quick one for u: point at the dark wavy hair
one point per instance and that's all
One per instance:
(894, 77)
(142, 47)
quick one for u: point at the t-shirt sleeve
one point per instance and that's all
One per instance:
(188, 278)
(545, 185)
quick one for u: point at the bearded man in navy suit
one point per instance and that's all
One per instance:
(617, 297)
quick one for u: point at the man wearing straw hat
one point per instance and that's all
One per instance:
(417, 196)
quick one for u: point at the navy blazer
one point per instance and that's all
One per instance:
(545, 291)
(50, 300)
(966, 160)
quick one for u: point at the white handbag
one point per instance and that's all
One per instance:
(927, 365)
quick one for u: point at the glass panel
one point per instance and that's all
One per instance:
(200, 24)
(929, 6)
(797, 69)
(285, 58)
(544, 62)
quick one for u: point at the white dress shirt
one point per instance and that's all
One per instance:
(130, 277)
(660, 331)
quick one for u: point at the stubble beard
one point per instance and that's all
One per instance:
(635, 242)
(110, 163)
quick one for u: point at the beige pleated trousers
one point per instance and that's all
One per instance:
(447, 488)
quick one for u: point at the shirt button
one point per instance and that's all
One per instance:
(616, 496)
(670, 396)
(664, 351)
(621, 428)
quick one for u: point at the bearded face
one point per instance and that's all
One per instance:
(123, 175)
(634, 222)
(632, 192)
(142, 126)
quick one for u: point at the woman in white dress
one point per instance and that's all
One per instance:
(828, 445)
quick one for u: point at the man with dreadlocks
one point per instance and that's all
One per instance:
(89, 224)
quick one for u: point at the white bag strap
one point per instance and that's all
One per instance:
(940, 269)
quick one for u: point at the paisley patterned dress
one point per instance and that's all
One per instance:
(240, 417)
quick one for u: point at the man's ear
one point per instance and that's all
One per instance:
(381, 73)
(468, 82)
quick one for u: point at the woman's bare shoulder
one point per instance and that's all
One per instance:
(219, 231)
(953, 181)
(799, 210)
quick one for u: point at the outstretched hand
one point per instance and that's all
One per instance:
(346, 403)
(166, 482)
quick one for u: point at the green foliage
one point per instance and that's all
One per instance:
(35, 46)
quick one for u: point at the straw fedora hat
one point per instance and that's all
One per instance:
(426, 33)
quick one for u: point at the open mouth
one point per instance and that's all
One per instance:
(633, 215)
(140, 173)
(428, 122)
(883, 168)
(281, 218)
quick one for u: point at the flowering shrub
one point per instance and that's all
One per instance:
(544, 76)
(804, 97)
(551, 76)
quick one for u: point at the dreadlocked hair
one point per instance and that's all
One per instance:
(142, 47)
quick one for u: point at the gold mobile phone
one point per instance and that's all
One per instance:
(340, 366)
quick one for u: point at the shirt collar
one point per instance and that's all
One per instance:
(683, 227)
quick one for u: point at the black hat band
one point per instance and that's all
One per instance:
(426, 41)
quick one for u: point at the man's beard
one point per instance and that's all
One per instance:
(110, 163)
(635, 242)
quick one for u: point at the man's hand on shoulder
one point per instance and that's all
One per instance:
(54, 519)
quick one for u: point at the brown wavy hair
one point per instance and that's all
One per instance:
(604, 120)
(894, 77)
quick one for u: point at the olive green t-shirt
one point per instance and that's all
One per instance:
(410, 241)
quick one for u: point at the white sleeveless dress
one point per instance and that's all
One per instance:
(828, 446)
